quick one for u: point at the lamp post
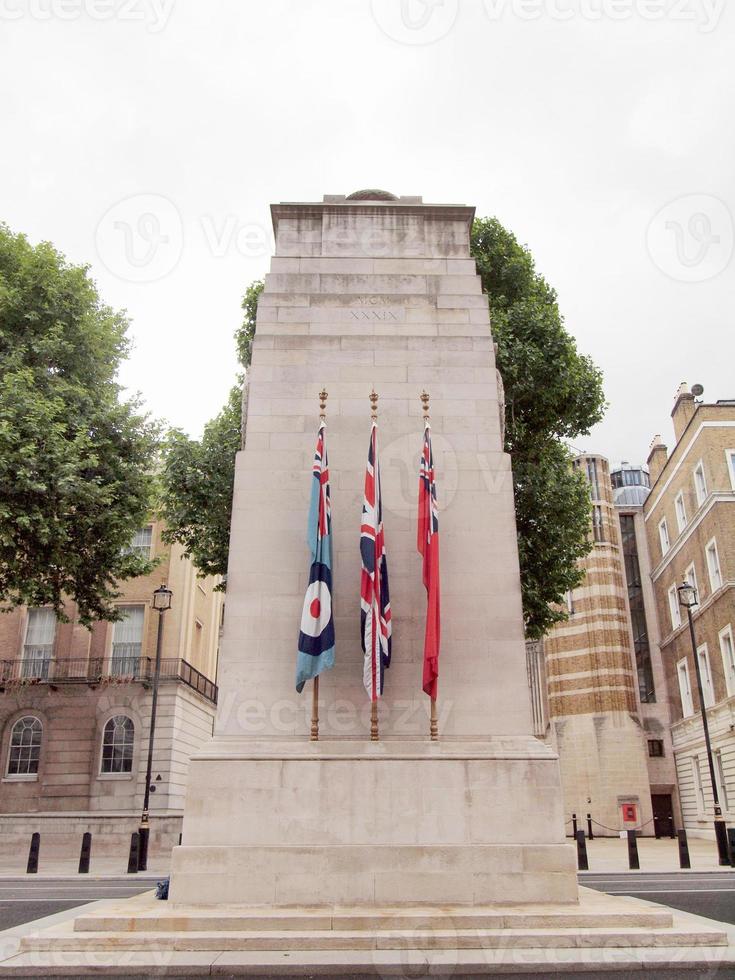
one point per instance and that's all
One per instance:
(688, 599)
(161, 602)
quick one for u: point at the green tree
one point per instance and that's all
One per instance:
(75, 458)
(199, 474)
(552, 393)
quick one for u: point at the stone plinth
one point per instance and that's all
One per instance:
(360, 294)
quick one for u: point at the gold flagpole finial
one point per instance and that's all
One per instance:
(425, 402)
(323, 395)
(374, 404)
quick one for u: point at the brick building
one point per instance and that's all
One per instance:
(592, 681)
(690, 525)
(75, 708)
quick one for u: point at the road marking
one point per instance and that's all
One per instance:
(671, 891)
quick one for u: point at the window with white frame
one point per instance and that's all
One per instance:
(663, 536)
(721, 783)
(38, 646)
(25, 747)
(127, 642)
(674, 610)
(730, 457)
(681, 511)
(685, 689)
(727, 649)
(713, 565)
(118, 740)
(698, 787)
(700, 483)
(141, 543)
(708, 689)
(690, 576)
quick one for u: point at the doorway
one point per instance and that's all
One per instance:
(663, 815)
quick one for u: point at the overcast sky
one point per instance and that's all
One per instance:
(148, 138)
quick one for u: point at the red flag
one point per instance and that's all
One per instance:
(428, 546)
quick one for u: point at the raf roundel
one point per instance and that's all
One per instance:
(317, 612)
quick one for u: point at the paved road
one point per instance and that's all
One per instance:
(29, 898)
(708, 893)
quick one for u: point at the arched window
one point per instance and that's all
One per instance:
(25, 747)
(117, 745)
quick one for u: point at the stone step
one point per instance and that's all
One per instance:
(417, 939)
(169, 920)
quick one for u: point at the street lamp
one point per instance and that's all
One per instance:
(688, 599)
(161, 602)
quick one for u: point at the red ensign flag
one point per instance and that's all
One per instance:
(428, 546)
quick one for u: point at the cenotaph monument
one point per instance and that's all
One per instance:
(403, 856)
(374, 291)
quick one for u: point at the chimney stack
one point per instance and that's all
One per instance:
(657, 456)
(684, 409)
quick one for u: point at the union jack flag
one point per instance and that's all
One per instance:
(427, 543)
(374, 594)
(316, 637)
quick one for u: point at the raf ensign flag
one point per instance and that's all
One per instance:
(428, 546)
(316, 638)
(374, 596)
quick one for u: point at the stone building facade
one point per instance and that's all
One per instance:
(690, 525)
(594, 712)
(75, 707)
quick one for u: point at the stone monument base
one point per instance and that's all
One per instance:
(362, 823)
(142, 936)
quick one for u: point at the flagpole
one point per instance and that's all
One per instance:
(433, 723)
(314, 737)
(374, 730)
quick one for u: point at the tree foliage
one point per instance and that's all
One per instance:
(552, 393)
(75, 458)
(198, 474)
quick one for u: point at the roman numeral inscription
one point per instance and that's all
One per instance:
(373, 315)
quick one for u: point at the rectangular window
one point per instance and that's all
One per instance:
(127, 642)
(570, 602)
(698, 788)
(141, 543)
(656, 748)
(690, 576)
(708, 690)
(730, 457)
(38, 647)
(720, 777)
(727, 649)
(663, 536)
(700, 484)
(674, 609)
(644, 669)
(685, 690)
(681, 511)
(592, 478)
(713, 565)
(597, 526)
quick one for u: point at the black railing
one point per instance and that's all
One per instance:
(95, 670)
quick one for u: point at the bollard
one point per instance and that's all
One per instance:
(134, 854)
(85, 854)
(574, 826)
(684, 861)
(633, 862)
(582, 862)
(32, 867)
(589, 827)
